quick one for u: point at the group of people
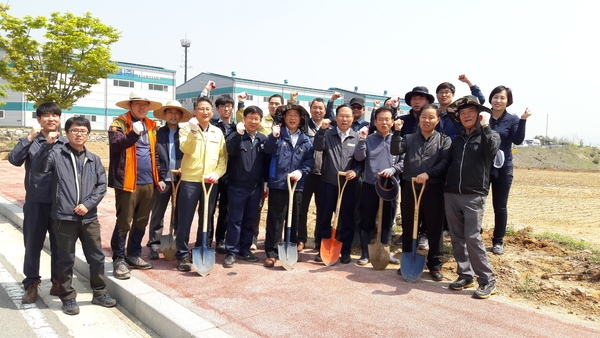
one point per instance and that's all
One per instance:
(453, 150)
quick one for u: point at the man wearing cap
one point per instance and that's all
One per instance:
(169, 157)
(467, 187)
(292, 153)
(337, 147)
(133, 173)
(416, 98)
(445, 94)
(358, 111)
(38, 201)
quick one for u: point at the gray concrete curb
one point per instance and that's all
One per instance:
(157, 311)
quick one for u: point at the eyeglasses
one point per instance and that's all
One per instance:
(79, 131)
(444, 92)
(226, 106)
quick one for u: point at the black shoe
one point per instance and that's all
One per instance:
(318, 258)
(104, 300)
(221, 248)
(229, 261)
(184, 264)
(484, 291)
(436, 275)
(153, 255)
(248, 256)
(460, 284)
(70, 307)
(346, 259)
(399, 272)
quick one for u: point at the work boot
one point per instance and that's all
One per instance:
(54, 288)
(31, 293)
(136, 262)
(120, 269)
(184, 264)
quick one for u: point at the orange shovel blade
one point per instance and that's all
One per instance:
(330, 249)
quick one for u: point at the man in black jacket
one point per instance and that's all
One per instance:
(169, 158)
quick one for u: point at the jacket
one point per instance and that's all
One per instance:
(375, 151)
(411, 123)
(203, 154)
(38, 185)
(162, 148)
(431, 155)
(337, 155)
(122, 168)
(512, 130)
(287, 158)
(248, 162)
(472, 156)
(62, 166)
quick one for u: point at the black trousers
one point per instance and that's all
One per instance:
(277, 217)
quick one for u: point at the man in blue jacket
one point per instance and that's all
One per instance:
(292, 153)
(36, 210)
(78, 186)
(169, 158)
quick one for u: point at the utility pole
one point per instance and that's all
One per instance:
(185, 43)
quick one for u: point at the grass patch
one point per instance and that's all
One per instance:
(527, 287)
(571, 244)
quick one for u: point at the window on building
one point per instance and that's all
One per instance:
(91, 118)
(33, 115)
(1, 114)
(121, 83)
(250, 97)
(160, 88)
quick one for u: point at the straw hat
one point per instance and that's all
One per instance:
(160, 112)
(135, 96)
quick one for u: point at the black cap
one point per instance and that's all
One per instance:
(357, 100)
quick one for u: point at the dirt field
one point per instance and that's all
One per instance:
(540, 273)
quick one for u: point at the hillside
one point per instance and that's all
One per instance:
(558, 157)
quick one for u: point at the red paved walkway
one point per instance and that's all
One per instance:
(314, 300)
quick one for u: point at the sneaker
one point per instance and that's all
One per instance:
(153, 255)
(363, 261)
(136, 262)
(248, 256)
(254, 243)
(184, 264)
(423, 243)
(498, 249)
(104, 300)
(318, 258)
(120, 270)
(394, 260)
(70, 307)
(346, 259)
(484, 291)
(220, 249)
(460, 283)
(229, 261)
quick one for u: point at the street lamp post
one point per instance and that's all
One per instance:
(547, 128)
(185, 43)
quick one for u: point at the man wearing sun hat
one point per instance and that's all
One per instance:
(169, 158)
(133, 173)
(416, 98)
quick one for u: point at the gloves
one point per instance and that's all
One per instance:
(395, 101)
(389, 172)
(161, 186)
(240, 128)
(242, 96)
(212, 178)
(296, 175)
(484, 118)
(363, 132)
(193, 124)
(138, 127)
(276, 130)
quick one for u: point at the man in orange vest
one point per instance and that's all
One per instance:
(133, 173)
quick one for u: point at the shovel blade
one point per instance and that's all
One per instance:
(288, 254)
(379, 255)
(330, 249)
(204, 260)
(168, 247)
(412, 264)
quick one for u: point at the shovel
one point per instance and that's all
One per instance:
(413, 263)
(288, 252)
(379, 254)
(204, 257)
(331, 247)
(167, 243)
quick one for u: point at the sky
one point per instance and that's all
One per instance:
(544, 51)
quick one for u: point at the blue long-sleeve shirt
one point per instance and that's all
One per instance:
(512, 130)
